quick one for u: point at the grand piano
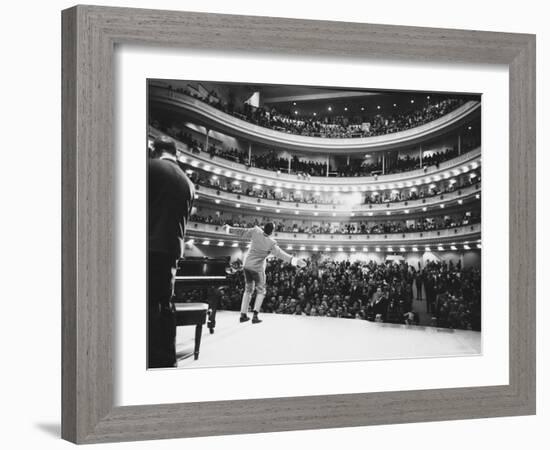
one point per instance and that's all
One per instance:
(205, 277)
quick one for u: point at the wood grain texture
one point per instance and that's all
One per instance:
(89, 36)
(68, 225)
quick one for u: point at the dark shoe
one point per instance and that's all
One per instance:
(244, 318)
(255, 319)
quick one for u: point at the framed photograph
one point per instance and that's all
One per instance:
(268, 230)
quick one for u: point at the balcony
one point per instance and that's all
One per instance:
(213, 118)
(214, 234)
(216, 165)
(211, 197)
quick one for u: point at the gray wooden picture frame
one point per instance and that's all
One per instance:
(90, 34)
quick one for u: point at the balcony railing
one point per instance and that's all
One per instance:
(208, 197)
(225, 122)
(446, 236)
(217, 165)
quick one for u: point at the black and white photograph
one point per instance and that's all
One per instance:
(301, 224)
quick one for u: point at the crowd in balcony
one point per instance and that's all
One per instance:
(410, 194)
(250, 189)
(329, 125)
(381, 292)
(302, 167)
(349, 227)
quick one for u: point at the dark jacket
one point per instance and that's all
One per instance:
(170, 199)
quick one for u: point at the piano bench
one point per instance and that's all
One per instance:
(192, 314)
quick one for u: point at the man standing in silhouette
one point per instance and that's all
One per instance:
(170, 198)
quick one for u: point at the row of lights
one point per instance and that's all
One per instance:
(372, 189)
(352, 214)
(261, 181)
(330, 109)
(316, 248)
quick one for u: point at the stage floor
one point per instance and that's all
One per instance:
(286, 339)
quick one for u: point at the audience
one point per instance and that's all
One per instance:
(382, 292)
(331, 126)
(301, 167)
(371, 227)
(250, 189)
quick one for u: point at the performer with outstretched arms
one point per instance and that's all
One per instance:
(261, 246)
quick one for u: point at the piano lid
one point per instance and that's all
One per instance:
(202, 269)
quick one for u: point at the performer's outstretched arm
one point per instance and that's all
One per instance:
(245, 233)
(281, 254)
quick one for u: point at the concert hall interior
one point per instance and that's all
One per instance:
(378, 191)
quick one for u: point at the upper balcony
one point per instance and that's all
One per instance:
(461, 164)
(213, 118)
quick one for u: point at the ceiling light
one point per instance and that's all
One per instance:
(221, 244)
(207, 242)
